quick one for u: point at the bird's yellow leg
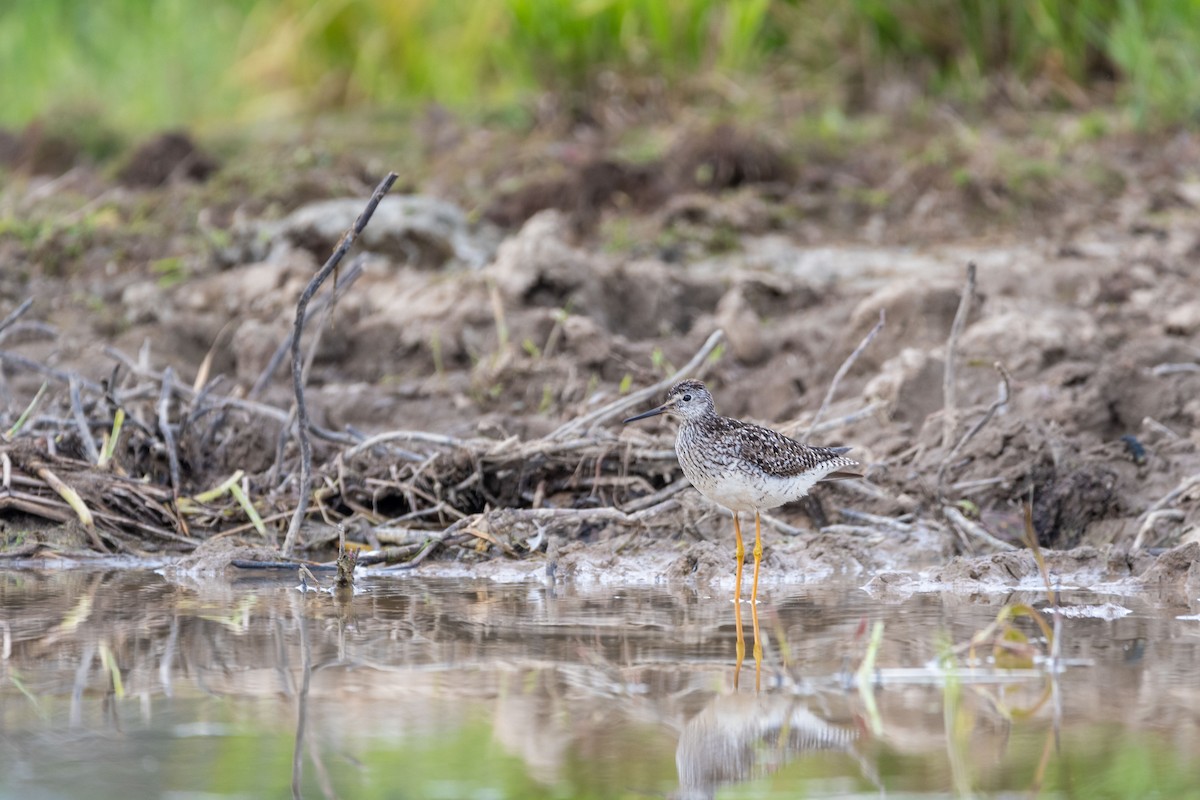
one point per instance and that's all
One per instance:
(740, 646)
(758, 650)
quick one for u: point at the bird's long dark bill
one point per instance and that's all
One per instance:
(654, 412)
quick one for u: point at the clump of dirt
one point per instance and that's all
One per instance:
(584, 192)
(1176, 571)
(167, 156)
(38, 150)
(215, 556)
(726, 157)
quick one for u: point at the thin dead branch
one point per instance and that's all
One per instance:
(845, 419)
(841, 373)
(1172, 369)
(1150, 516)
(302, 431)
(618, 407)
(973, 529)
(81, 423)
(1002, 396)
(420, 437)
(1151, 519)
(345, 280)
(58, 375)
(185, 392)
(164, 430)
(668, 491)
(15, 314)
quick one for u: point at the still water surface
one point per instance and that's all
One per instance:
(127, 684)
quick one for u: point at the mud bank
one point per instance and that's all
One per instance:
(487, 353)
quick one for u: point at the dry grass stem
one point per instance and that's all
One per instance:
(949, 387)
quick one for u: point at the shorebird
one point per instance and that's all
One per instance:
(744, 467)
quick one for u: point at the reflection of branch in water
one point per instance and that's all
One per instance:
(168, 658)
(81, 676)
(302, 705)
(739, 737)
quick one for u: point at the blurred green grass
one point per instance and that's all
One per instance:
(144, 64)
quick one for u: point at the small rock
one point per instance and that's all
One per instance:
(417, 230)
(537, 265)
(910, 385)
(1183, 320)
(587, 341)
(142, 302)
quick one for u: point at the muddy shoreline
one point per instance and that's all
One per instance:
(487, 344)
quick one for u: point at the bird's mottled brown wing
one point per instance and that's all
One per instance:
(778, 455)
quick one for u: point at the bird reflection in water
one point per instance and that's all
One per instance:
(742, 737)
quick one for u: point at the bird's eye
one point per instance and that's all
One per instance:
(687, 398)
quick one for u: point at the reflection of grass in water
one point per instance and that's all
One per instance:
(1100, 762)
(1093, 762)
(445, 760)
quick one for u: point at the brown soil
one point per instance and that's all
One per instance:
(609, 273)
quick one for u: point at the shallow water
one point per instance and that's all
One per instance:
(129, 685)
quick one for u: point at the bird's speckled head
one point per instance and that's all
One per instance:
(690, 399)
(686, 400)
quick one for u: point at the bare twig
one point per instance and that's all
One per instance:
(164, 429)
(854, 530)
(345, 280)
(201, 379)
(297, 368)
(841, 373)
(50, 372)
(634, 399)
(783, 527)
(15, 314)
(185, 392)
(949, 389)
(845, 419)
(1002, 395)
(404, 436)
(81, 423)
(966, 487)
(1158, 427)
(1173, 514)
(1171, 369)
(1184, 486)
(898, 524)
(1151, 515)
(668, 491)
(969, 528)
